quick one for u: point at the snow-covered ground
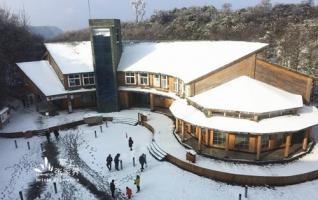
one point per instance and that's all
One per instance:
(16, 168)
(160, 180)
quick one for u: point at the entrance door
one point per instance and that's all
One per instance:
(140, 100)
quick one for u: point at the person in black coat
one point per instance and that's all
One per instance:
(142, 161)
(109, 160)
(112, 188)
(130, 143)
(116, 160)
(56, 134)
(47, 134)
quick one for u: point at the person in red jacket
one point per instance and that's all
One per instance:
(128, 192)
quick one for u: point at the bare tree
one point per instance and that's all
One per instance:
(139, 7)
(266, 4)
(24, 18)
(226, 8)
(309, 2)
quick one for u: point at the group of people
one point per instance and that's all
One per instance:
(109, 161)
(48, 135)
(128, 190)
(142, 161)
(142, 157)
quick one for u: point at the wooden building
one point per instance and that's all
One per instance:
(224, 99)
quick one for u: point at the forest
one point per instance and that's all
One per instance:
(17, 44)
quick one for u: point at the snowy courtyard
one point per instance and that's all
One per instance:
(85, 152)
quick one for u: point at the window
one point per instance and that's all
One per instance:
(156, 80)
(74, 80)
(280, 139)
(181, 90)
(219, 137)
(130, 78)
(241, 141)
(143, 79)
(187, 91)
(176, 85)
(164, 82)
(264, 141)
(88, 79)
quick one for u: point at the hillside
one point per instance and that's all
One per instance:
(47, 32)
(290, 29)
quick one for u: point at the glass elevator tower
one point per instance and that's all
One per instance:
(106, 48)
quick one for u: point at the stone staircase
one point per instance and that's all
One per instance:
(156, 151)
(122, 120)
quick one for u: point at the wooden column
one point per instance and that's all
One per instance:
(196, 131)
(306, 138)
(190, 128)
(177, 125)
(227, 142)
(258, 147)
(152, 102)
(182, 131)
(199, 137)
(206, 136)
(287, 145)
(211, 137)
(271, 142)
(252, 143)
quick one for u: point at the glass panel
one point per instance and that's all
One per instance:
(164, 82)
(241, 141)
(74, 80)
(219, 137)
(156, 81)
(130, 78)
(143, 79)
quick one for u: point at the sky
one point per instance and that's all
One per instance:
(73, 14)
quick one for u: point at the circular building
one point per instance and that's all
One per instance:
(245, 120)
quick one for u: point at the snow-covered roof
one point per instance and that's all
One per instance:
(74, 57)
(42, 74)
(306, 117)
(245, 94)
(187, 60)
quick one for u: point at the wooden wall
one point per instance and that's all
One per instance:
(56, 69)
(163, 102)
(245, 66)
(284, 78)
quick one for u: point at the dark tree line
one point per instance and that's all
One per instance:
(17, 44)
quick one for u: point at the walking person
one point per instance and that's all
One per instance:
(109, 160)
(47, 134)
(137, 183)
(112, 188)
(130, 143)
(116, 160)
(56, 134)
(142, 161)
(128, 192)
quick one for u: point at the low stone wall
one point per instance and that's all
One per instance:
(238, 179)
(148, 126)
(42, 131)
